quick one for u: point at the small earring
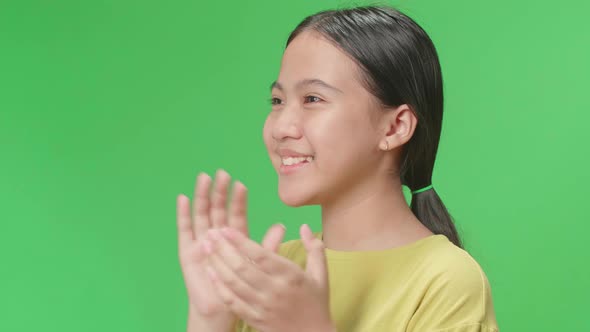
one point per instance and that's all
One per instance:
(386, 146)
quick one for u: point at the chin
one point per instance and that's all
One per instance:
(295, 197)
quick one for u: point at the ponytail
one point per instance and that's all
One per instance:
(430, 210)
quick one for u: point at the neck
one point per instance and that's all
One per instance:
(370, 216)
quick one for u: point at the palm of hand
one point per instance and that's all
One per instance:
(207, 213)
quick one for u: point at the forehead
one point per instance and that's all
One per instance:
(310, 55)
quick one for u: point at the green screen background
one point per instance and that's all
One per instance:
(109, 109)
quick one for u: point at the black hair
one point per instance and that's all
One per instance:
(399, 65)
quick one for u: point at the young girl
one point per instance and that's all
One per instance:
(356, 114)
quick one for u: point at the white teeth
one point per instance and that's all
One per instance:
(292, 161)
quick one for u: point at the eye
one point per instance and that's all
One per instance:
(274, 101)
(318, 98)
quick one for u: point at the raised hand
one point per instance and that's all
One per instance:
(207, 213)
(266, 290)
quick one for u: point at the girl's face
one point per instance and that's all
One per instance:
(320, 109)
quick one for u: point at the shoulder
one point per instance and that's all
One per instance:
(454, 267)
(456, 292)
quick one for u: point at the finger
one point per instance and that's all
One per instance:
(267, 261)
(201, 205)
(238, 306)
(238, 263)
(238, 215)
(237, 281)
(218, 200)
(316, 265)
(273, 238)
(183, 221)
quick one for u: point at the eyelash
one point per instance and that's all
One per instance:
(271, 100)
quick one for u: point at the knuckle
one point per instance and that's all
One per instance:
(296, 280)
(282, 283)
(241, 267)
(229, 301)
(258, 317)
(215, 199)
(260, 259)
(230, 282)
(267, 300)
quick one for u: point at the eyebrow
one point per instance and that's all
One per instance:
(306, 82)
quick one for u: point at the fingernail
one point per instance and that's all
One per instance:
(282, 225)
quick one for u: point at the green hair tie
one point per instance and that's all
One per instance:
(421, 190)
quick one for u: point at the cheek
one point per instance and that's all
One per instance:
(341, 144)
(267, 133)
(332, 135)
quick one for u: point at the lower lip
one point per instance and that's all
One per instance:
(285, 170)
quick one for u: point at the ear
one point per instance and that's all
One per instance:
(399, 124)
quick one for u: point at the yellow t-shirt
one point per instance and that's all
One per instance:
(426, 286)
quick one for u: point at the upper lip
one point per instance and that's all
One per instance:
(284, 152)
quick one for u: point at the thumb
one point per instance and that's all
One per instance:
(273, 237)
(317, 266)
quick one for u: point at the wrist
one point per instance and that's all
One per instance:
(223, 321)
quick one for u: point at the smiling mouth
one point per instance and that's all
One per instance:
(290, 165)
(290, 161)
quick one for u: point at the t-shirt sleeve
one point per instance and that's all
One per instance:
(457, 300)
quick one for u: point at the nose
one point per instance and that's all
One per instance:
(287, 124)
